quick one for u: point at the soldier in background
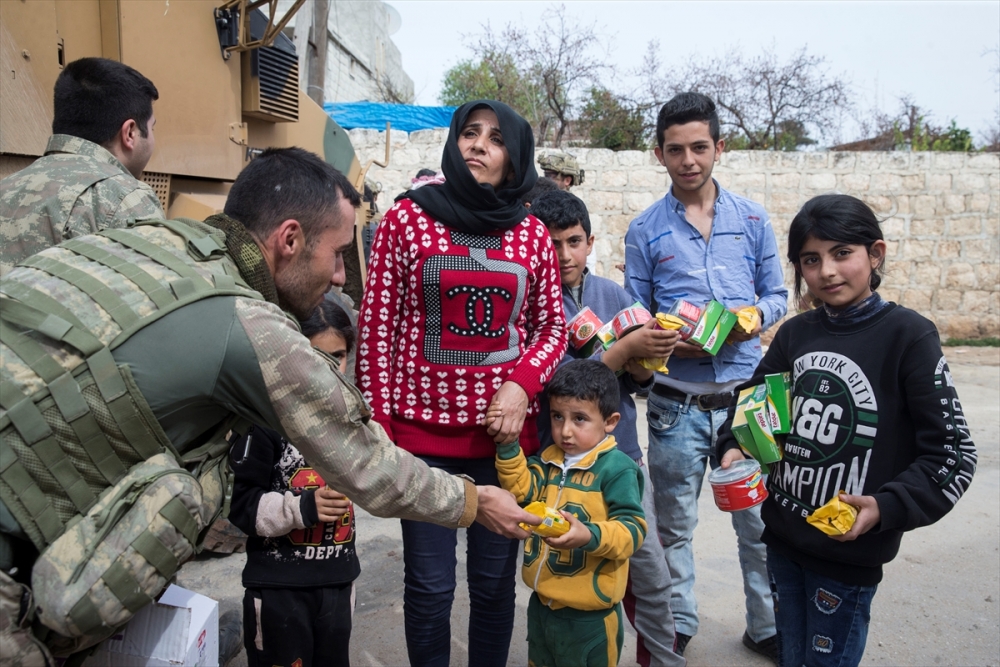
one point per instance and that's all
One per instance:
(102, 139)
(561, 168)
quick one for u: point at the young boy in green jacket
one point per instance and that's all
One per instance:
(579, 578)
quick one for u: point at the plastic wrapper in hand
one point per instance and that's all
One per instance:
(667, 323)
(834, 518)
(748, 318)
(553, 523)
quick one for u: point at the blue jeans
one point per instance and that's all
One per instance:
(821, 622)
(429, 582)
(681, 443)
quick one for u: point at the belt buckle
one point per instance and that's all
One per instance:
(702, 406)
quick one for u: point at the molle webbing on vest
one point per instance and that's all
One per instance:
(74, 422)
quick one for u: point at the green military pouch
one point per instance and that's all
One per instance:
(115, 559)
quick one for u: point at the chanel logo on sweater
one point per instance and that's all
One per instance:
(476, 296)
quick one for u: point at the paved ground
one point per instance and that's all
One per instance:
(939, 603)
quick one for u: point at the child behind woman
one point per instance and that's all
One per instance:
(301, 559)
(876, 421)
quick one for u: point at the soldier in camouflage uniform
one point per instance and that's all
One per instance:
(561, 168)
(194, 363)
(88, 179)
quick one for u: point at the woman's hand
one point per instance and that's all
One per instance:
(577, 536)
(868, 516)
(330, 504)
(506, 413)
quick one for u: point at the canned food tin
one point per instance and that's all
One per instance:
(739, 487)
(631, 318)
(583, 327)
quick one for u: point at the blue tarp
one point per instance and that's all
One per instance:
(373, 115)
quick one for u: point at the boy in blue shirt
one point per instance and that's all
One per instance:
(647, 600)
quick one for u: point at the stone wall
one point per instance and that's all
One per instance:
(941, 210)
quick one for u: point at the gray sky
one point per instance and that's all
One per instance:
(934, 51)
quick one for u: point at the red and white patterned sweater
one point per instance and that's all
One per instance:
(446, 318)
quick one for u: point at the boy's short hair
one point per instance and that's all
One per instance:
(587, 380)
(686, 108)
(559, 209)
(288, 183)
(95, 96)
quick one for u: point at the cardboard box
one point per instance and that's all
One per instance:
(779, 401)
(727, 320)
(181, 628)
(710, 315)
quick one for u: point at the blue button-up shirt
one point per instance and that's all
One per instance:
(667, 259)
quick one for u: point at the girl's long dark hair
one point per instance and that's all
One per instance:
(328, 315)
(839, 218)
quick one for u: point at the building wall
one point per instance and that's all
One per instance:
(360, 51)
(941, 211)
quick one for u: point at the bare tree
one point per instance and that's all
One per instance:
(758, 96)
(991, 136)
(542, 73)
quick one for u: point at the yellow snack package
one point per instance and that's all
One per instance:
(748, 317)
(834, 518)
(667, 323)
(553, 523)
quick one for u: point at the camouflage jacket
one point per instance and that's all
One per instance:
(197, 364)
(77, 188)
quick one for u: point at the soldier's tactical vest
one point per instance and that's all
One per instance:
(85, 468)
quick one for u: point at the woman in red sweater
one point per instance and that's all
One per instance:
(462, 311)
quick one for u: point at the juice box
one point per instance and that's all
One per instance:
(606, 335)
(741, 429)
(779, 401)
(710, 315)
(727, 320)
(686, 311)
(768, 449)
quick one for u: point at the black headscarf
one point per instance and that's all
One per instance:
(476, 208)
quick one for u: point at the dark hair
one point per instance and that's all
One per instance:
(94, 97)
(685, 108)
(839, 218)
(559, 209)
(587, 380)
(425, 172)
(288, 183)
(329, 315)
(542, 185)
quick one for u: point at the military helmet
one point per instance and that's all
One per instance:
(563, 164)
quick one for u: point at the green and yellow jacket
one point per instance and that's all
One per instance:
(604, 491)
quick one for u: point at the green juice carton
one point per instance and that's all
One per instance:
(779, 401)
(768, 449)
(727, 320)
(710, 315)
(741, 428)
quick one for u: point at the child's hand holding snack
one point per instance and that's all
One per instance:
(868, 516)
(577, 536)
(330, 504)
(748, 325)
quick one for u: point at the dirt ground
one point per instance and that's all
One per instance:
(939, 603)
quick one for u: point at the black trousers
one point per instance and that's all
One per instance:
(308, 627)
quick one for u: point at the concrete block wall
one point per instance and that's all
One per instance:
(941, 211)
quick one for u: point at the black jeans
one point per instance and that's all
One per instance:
(282, 625)
(429, 560)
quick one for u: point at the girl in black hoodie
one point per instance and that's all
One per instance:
(876, 420)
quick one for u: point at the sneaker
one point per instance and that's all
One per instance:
(680, 642)
(767, 647)
(230, 636)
